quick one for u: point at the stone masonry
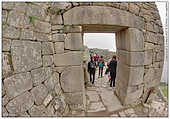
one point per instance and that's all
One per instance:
(42, 47)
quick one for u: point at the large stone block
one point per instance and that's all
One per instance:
(134, 8)
(10, 32)
(21, 103)
(47, 48)
(4, 112)
(151, 37)
(40, 26)
(102, 15)
(74, 41)
(7, 68)
(42, 36)
(47, 60)
(159, 56)
(148, 57)
(37, 12)
(72, 29)
(17, 84)
(26, 55)
(6, 44)
(74, 98)
(56, 19)
(59, 47)
(149, 75)
(8, 5)
(58, 37)
(27, 34)
(5, 100)
(133, 96)
(4, 16)
(18, 19)
(53, 83)
(131, 58)
(72, 79)
(149, 46)
(40, 75)
(39, 93)
(129, 76)
(131, 40)
(69, 58)
(37, 111)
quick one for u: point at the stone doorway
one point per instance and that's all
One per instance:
(129, 42)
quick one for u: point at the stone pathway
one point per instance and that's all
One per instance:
(101, 102)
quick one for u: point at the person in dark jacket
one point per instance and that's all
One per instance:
(112, 68)
(92, 69)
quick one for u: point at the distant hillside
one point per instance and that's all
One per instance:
(100, 52)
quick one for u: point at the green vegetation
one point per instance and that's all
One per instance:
(32, 19)
(164, 88)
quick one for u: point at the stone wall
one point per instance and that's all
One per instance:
(42, 47)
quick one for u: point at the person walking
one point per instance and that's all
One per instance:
(92, 69)
(112, 68)
(101, 64)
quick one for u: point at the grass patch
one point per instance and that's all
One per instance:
(164, 88)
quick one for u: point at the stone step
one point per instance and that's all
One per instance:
(110, 101)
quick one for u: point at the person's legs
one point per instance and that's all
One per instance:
(90, 76)
(101, 71)
(114, 77)
(93, 76)
(111, 80)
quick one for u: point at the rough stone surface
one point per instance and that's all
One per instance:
(43, 27)
(148, 57)
(96, 106)
(93, 96)
(58, 37)
(40, 75)
(103, 16)
(47, 48)
(26, 55)
(42, 36)
(17, 84)
(72, 79)
(74, 98)
(59, 47)
(37, 111)
(6, 44)
(48, 99)
(53, 83)
(26, 34)
(7, 68)
(39, 93)
(21, 103)
(5, 100)
(66, 59)
(131, 58)
(74, 41)
(10, 32)
(47, 60)
(17, 19)
(109, 101)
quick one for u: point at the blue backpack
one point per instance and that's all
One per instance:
(100, 64)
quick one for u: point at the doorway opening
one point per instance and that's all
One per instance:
(98, 90)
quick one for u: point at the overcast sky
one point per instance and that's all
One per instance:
(107, 40)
